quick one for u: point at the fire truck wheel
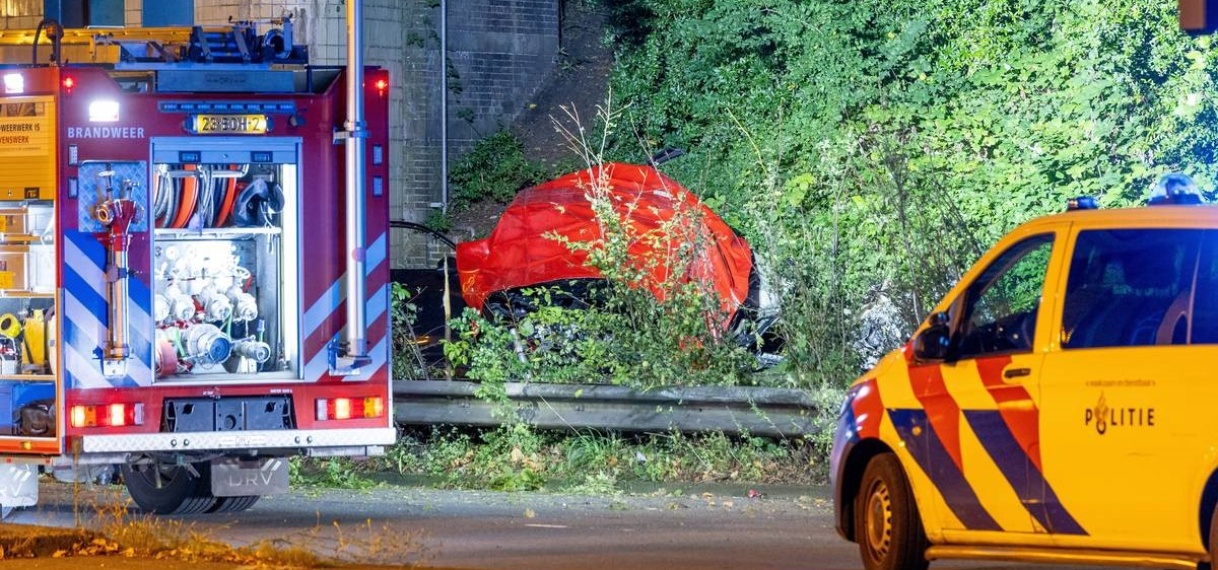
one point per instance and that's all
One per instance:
(887, 526)
(234, 504)
(179, 492)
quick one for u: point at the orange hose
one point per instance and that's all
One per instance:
(230, 197)
(189, 195)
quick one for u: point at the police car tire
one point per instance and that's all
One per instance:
(895, 540)
(1212, 542)
(180, 493)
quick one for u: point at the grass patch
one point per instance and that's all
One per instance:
(329, 472)
(519, 457)
(118, 530)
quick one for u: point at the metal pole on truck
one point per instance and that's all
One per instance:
(356, 133)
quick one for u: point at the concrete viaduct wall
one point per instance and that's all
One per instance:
(499, 53)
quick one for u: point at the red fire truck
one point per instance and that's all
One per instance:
(193, 262)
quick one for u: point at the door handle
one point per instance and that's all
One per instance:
(1016, 373)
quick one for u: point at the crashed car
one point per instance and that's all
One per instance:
(527, 247)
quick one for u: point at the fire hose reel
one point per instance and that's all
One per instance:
(206, 345)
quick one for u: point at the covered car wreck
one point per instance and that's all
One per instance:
(672, 238)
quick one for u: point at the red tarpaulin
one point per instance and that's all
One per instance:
(658, 215)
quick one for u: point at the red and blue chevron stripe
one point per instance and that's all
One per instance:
(318, 326)
(927, 448)
(1028, 482)
(85, 332)
(1010, 435)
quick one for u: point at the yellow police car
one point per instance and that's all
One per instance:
(1059, 405)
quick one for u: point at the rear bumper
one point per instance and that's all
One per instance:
(236, 441)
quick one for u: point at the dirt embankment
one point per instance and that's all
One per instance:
(578, 84)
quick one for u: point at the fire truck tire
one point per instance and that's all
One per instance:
(234, 504)
(179, 493)
(888, 528)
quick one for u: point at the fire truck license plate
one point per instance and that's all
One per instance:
(230, 124)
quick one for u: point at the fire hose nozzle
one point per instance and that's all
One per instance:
(103, 215)
(117, 215)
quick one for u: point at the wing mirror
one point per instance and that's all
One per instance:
(933, 342)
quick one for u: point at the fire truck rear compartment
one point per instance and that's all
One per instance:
(152, 253)
(225, 305)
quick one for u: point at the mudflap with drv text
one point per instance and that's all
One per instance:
(233, 477)
(18, 486)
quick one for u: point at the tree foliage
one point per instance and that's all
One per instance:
(873, 148)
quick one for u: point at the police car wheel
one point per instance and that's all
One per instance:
(169, 489)
(887, 527)
(1211, 543)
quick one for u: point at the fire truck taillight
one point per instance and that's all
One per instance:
(348, 408)
(109, 415)
(68, 83)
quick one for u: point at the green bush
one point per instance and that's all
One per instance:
(870, 150)
(495, 169)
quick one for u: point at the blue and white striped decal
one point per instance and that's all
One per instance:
(85, 314)
(322, 309)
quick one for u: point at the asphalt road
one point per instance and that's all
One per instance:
(703, 528)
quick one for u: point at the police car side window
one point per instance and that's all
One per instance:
(1002, 304)
(1130, 287)
(1204, 323)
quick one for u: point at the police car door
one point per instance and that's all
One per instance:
(1128, 390)
(988, 384)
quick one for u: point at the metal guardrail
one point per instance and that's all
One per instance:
(770, 412)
